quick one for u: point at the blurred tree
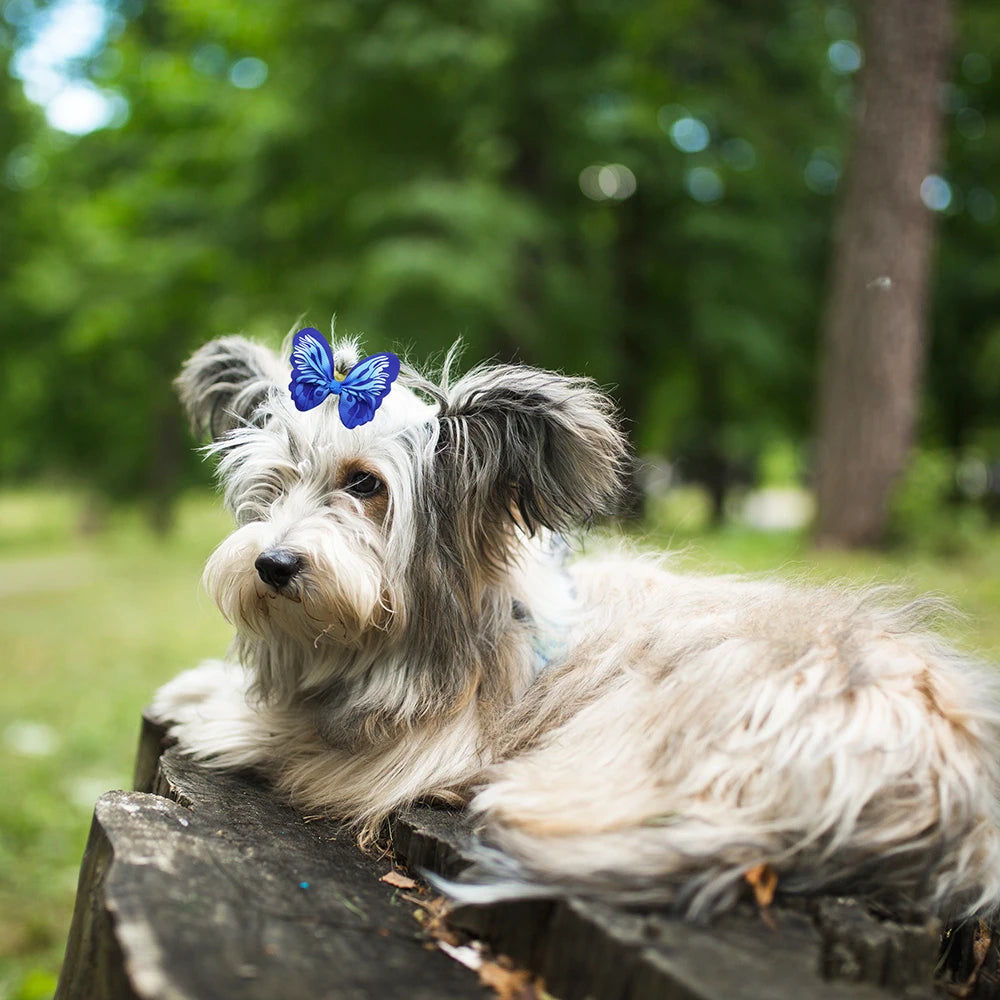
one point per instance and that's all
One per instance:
(875, 327)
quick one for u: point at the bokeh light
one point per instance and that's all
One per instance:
(976, 67)
(704, 185)
(822, 172)
(210, 59)
(935, 192)
(248, 73)
(24, 169)
(80, 108)
(981, 204)
(970, 124)
(689, 135)
(844, 57)
(607, 182)
(739, 154)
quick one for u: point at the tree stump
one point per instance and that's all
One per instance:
(203, 885)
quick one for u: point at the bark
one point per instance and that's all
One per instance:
(874, 334)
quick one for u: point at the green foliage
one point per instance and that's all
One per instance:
(780, 464)
(680, 512)
(421, 170)
(964, 370)
(38, 984)
(416, 168)
(928, 514)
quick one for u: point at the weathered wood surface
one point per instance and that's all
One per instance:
(204, 886)
(210, 889)
(823, 949)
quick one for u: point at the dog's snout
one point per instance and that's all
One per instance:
(277, 566)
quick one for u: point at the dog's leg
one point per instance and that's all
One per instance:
(215, 719)
(208, 712)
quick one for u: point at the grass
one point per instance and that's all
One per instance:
(91, 625)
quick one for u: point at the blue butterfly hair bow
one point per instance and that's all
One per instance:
(314, 377)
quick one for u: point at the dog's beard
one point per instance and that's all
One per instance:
(338, 599)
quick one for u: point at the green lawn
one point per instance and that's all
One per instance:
(91, 625)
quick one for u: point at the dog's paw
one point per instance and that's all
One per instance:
(207, 712)
(185, 697)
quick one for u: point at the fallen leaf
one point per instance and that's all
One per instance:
(499, 974)
(507, 983)
(981, 941)
(398, 879)
(431, 913)
(763, 879)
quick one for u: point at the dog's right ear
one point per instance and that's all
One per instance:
(521, 446)
(223, 384)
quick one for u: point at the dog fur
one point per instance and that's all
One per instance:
(615, 728)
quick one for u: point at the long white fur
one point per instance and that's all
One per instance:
(688, 729)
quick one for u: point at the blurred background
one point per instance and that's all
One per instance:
(771, 229)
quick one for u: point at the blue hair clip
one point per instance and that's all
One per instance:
(314, 377)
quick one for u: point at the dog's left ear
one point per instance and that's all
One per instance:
(518, 442)
(224, 382)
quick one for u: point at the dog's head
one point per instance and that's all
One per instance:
(395, 533)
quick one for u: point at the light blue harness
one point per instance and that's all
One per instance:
(549, 637)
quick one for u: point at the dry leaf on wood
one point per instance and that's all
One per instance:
(431, 913)
(981, 941)
(508, 984)
(398, 879)
(763, 879)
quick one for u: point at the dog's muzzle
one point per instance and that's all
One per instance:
(276, 567)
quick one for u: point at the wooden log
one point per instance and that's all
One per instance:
(823, 948)
(204, 885)
(211, 889)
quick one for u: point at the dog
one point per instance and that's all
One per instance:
(409, 627)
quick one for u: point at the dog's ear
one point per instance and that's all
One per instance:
(224, 382)
(518, 443)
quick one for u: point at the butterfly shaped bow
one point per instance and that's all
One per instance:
(314, 377)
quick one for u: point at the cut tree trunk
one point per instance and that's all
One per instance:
(874, 334)
(202, 885)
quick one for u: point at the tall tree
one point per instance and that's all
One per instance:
(874, 334)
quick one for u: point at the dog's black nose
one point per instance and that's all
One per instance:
(277, 566)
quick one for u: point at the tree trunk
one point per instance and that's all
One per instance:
(874, 331)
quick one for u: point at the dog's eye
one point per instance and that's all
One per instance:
(363, 485)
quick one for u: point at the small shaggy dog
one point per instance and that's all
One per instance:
(409, 627)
